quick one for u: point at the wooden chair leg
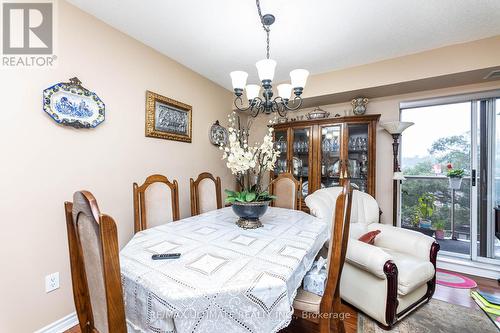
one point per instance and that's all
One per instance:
(338, 324)
(324, 325)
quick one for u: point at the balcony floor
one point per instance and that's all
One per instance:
(461, 246)
(455, 246)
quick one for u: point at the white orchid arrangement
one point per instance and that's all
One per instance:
(248, 162)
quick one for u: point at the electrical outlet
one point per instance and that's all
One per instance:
(51, 282)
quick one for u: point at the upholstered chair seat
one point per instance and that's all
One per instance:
(392, 277)
(306, 301)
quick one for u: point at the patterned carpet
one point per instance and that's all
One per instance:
(436, 317)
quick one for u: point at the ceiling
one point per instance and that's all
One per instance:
(215, 37)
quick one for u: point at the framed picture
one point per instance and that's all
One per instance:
(167, 118)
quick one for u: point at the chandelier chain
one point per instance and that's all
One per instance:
(267, 50)
(258, 9)
(265, 27)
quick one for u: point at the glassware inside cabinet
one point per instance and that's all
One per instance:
(281, 144)
(330, 156)
(358, 155)
(300, 157)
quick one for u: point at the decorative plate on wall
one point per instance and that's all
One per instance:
(70, 104)
(218, 134)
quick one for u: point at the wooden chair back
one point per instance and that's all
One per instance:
(95, 266)
(151, 206)
(331, 302)
(206, 193)
(287, 189)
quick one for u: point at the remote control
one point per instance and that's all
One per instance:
(166, 256)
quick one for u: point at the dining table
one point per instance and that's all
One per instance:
(226, 280)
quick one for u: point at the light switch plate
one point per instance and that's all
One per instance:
(51, 282)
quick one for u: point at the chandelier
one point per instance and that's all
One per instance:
(265, 68)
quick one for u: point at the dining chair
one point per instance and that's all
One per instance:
(322, 310)
(287, 191)
(205, 193)
(95, 266)
(151, 202)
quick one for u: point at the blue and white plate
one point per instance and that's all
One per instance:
(70, 104)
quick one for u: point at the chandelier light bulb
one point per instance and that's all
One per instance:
(252, 91)
(299, 78)
(285, 90)
(239, 79)
(266, 68)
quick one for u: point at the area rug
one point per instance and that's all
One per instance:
(436, 317)
(454, 280)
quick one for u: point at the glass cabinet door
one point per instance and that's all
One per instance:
(301, 149)
(281, 143)
(330, 166)
(357, 157)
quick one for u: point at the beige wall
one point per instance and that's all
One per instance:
(451, 59)
(388, 107)
(43, 163)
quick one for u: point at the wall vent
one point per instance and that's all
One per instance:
(493, 75)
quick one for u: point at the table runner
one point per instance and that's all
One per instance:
(227, 280)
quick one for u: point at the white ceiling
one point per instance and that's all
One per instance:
(214, 37)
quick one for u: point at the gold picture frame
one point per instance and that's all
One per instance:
(167, 118)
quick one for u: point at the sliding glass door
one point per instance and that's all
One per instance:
(464, 134)
(496, 180)
(486, 160)
(440, 137)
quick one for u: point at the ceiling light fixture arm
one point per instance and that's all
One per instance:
(292, 105)
(252, 104)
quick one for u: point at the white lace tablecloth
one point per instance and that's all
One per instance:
(227, 280)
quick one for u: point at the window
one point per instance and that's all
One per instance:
(463, 132)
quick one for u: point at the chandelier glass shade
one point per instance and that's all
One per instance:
(288, 95)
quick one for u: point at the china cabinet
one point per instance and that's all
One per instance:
(321, 152)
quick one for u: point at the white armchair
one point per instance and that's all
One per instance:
(386, 280)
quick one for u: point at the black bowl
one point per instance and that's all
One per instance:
(250, 210)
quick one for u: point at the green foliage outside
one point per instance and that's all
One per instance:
(455, 173)
(439, 225)
(426, 206)
(452, 149)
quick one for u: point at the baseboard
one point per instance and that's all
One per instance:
(60, 325)
(469, 267)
